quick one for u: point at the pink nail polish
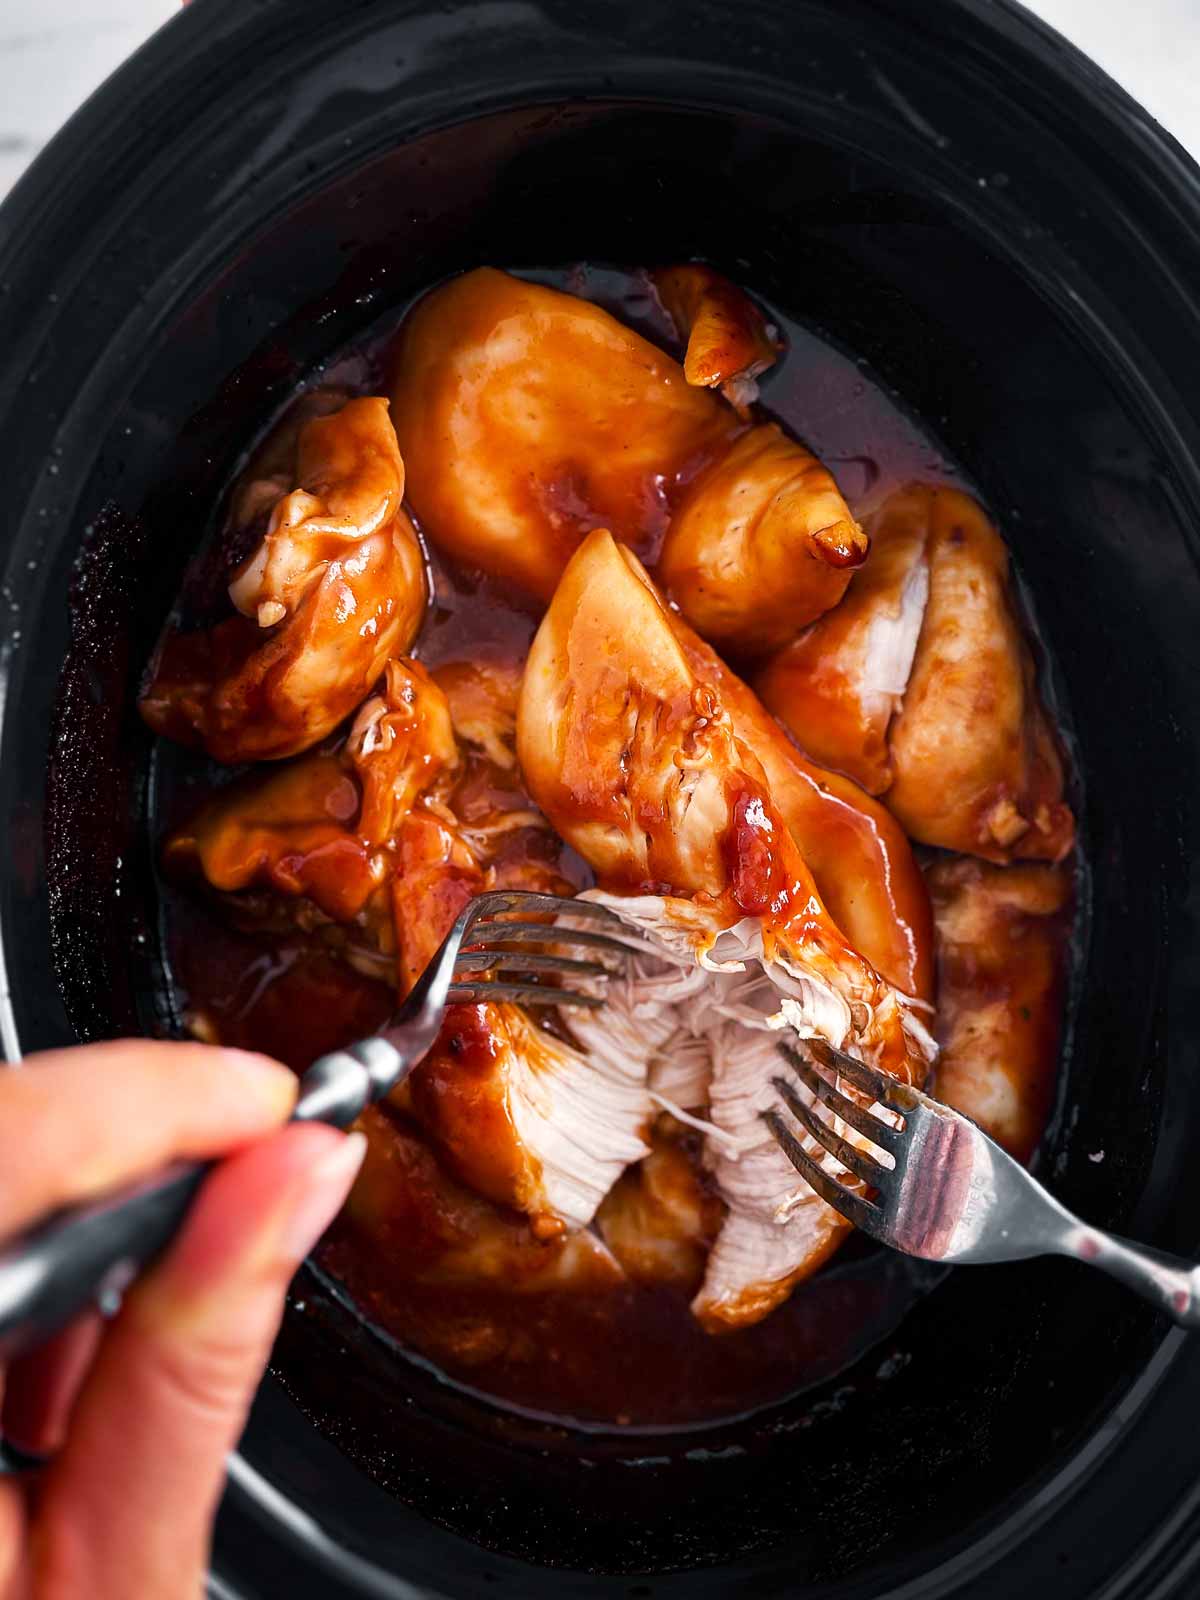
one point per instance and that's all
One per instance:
(327, 1184)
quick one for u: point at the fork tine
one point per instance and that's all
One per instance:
(528, 961)
(871, 1127)
(497, 901)
(868, 1079)
(493, 933)
(530, 994)
(851, 1206)
(869, 1170)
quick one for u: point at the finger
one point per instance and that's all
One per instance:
(13, 1570)
(74, 1123)
(42, 1387)
(127, 1507)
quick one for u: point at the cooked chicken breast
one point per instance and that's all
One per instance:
(761, 544)
(682, 804)
(610, 1168)
(1002, 952)
(335, 587)
(728, 342)
(401, 744)
(333, 829)
(529, 417)
(433, 873)
(974, 761)
(615, 735)
(837, 687)
(438, 1231)
(528, 1120)
(291, 832)
(858, 853)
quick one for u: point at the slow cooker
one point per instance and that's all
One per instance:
(948, 191)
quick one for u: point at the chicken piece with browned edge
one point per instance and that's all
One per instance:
(637, 764)
(530, 417)
(335, 586)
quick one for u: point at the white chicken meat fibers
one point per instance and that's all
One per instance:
(580, 1113)
(576, 1112)
(731, 1025)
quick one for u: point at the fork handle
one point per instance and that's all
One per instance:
(90, 1253)
(1166, 1281)
(337, 1087)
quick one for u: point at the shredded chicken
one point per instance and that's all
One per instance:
(546, 1126)
(684, 806)
(528, 1120)
(449, 1235)
(778, 1231)
(402, 741)
(762, 990)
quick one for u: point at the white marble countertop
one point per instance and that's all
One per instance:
(53, 53)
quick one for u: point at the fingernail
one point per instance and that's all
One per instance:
(269, 1080)
(326, 1185)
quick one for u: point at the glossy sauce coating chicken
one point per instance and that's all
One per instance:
(334, 587)
(450, 1235)
(291, 832)
(760, 545)
(1002, 955)
(975, 761)
(529, 417)
(839, 684)
(401, 744)
(857, 852)
(553, 1191)
(728, 341)
(920, 686)
(637, 764)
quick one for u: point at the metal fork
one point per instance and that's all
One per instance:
(493, 952)
(940, 1188)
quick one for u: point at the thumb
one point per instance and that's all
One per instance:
(127, 1507)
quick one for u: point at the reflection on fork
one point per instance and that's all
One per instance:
(932, 1184)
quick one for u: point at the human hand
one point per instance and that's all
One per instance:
(140, 1413)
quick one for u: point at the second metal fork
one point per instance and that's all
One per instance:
(938, 1187)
